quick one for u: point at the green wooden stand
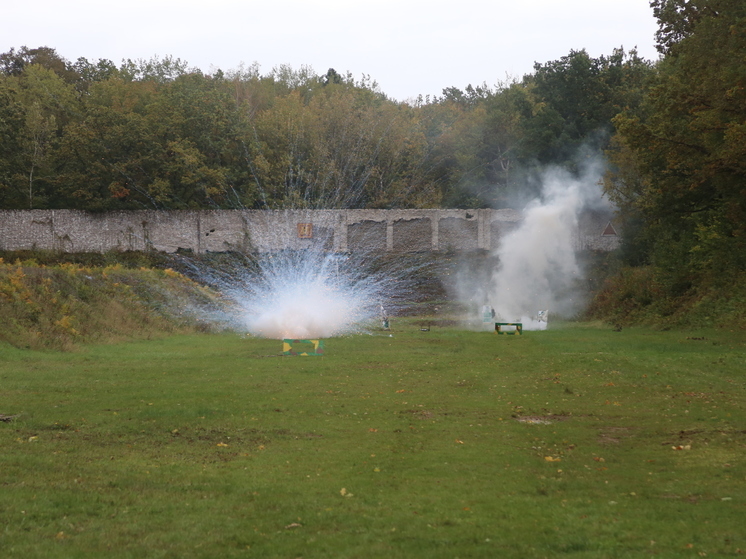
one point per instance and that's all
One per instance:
(517, 332)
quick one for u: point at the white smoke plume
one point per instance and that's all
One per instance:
(536, 265)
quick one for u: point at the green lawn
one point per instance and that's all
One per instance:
(573, 442)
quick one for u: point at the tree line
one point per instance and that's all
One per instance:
(678, 162)
(158, 134)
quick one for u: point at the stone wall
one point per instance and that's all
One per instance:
(230, 230)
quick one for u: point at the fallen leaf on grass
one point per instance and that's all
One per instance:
(552, 459)
(221, 444)
(293, 525)
(459, 442)
(345, 493)
(684, 447)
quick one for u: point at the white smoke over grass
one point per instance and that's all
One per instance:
(536, 268)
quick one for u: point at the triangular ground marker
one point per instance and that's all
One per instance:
(609, 231)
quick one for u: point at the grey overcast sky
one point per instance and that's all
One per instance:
(409, 47)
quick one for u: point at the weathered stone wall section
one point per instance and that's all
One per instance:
(458, 234)
(412, 235)
(242, 230)
(366, 235)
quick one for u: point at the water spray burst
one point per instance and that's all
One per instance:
(312, 293)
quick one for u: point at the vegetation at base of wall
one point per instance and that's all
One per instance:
(642, 295)
(126, 259)
(431, 274)
(67, 304)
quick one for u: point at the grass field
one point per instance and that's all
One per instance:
(573, 442)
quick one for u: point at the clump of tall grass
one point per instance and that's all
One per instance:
(63, 305)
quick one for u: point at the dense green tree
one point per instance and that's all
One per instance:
(344, 147)
(577, 97)
(503, 153)
(689, 144)
(158, 70)
(39, 104)
(677, 20)
(13, 63)
(331, 77)
(496, 143)
(90, 72)
(12, 123)
(145, 144)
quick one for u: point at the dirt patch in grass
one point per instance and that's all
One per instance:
(613, 435)
(418, 414)
(541, 419)
(440, 323)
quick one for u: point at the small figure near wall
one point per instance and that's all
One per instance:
(488, 314)
(384, 318)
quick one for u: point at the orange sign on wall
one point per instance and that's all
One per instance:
(305, 231)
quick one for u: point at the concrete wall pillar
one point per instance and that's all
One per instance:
(340, 232)
(435, 221)
(481, 240)
(198, 248)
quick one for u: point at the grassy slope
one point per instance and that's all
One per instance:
(212, 446)
(63, 305)
(641, 296)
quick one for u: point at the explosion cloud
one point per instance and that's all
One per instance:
(536, 264)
